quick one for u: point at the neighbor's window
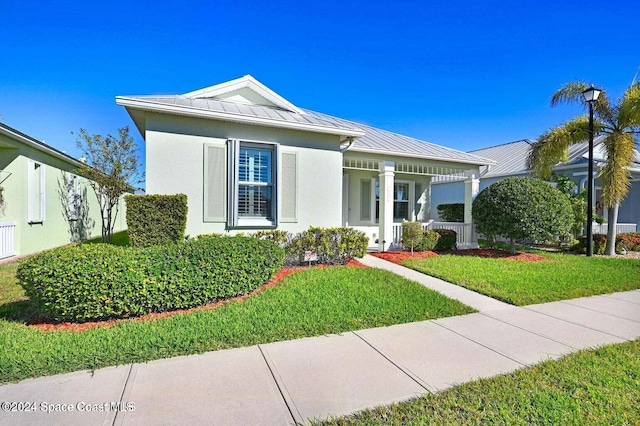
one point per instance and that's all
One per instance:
(35, 193)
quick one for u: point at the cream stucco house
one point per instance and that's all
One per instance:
(249, 159)
(45, 203)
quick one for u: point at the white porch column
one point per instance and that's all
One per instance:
(471, 190)
(385, 220)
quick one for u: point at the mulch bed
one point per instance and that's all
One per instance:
(44, 325)
(400, 256)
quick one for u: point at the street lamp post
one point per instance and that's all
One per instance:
(590, 96)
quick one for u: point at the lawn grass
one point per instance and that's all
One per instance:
(592, 387)
(117, 239)
(313, 302)
(520, 283)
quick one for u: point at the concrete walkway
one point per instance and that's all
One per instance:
(287, 382)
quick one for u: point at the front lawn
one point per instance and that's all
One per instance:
(524, 283)
(313, 302)
(591, 387)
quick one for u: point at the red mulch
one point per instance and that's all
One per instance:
(401, 256)
(44, 325)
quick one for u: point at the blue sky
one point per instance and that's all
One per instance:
(464, 74)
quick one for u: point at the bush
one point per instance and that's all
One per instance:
(156, 219)
(519, 208)
(99, 281)
(451, 212)
(447, 240)
(411, 234)
(599, 244)
(428, 241)
(629, 241)
(333, 246)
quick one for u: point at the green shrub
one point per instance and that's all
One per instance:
(333, 246)
(156, 219)
(629, 241)
(447, 240)
(411, 234)
(451, 212)
(599, 244)
(428, 241)
(99, 281)
(519, 208)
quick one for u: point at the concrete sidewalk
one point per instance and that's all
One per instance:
(287, 382)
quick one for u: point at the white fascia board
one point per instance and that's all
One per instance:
(227, 116)
(41, 146)
(422, 157)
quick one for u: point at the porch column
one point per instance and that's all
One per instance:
(385, 218)
(471, 190)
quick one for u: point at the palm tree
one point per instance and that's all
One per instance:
(619, 123)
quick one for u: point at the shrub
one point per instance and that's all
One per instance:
(428, 241)
(447, 240)
(99, 281)
(332, 245)
(451, 212)
(519, 208)
(629, 241)
(411, 234)
(156, 219)
(599, 244)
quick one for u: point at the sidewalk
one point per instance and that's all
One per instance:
(287, 382)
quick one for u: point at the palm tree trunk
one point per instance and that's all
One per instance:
(611, 231)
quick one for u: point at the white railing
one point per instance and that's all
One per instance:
(6, 239)
(458, 227)
(620, 228)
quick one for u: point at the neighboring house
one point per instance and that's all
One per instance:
(248, 159)
(45, 203)
(511, 160)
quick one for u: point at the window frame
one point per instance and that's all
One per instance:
(375, 208)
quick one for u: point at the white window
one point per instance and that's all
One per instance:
(35, 193)
(402, 200)
(252, 184)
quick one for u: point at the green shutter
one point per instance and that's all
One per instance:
(215, 183)
(365, 200)
(289, 185)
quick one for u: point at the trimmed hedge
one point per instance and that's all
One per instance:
(428, 241)
(451, 212)
(447, 240)
(333, 246)
(100, 281)
(156, 219)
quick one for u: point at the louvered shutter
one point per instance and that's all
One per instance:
(215, 183)
(289, 184)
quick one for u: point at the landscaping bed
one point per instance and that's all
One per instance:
(400, 256)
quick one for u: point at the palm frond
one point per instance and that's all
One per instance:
(615, 175)
(569, 93)
(552, 146)
(629, 111)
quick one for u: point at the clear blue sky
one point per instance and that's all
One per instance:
(464, 74)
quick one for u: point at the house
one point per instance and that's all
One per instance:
(510, 160)
(248, 159)
(44, 202)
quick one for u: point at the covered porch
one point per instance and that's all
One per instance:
(379, 193)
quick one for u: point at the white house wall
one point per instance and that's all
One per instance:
(175, 164)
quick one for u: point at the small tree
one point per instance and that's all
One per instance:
(522, 208)
(411, 234)
(111, 167)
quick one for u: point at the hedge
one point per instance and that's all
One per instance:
(100, 281)
(156, 219)
(332, 246)
(451, 212)
(428, 241)
(447, 240)
(628, 240)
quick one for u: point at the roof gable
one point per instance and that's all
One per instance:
(245, 90)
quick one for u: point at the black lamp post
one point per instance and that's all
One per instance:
(590, 96)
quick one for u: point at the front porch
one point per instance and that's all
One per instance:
(379, 194)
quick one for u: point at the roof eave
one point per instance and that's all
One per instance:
(485, 162)
(147, 105)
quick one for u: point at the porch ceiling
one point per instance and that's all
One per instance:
(403, 167)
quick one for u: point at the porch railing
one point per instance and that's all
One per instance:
(458, 227)
(6, 239)
(620, 228)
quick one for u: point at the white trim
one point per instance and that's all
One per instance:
(153, 106)
(345, 199)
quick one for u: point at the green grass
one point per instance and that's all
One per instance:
(524, 283)
(593, 387)
(310, 303)
(117, 239)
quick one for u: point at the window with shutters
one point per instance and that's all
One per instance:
(35, 193)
